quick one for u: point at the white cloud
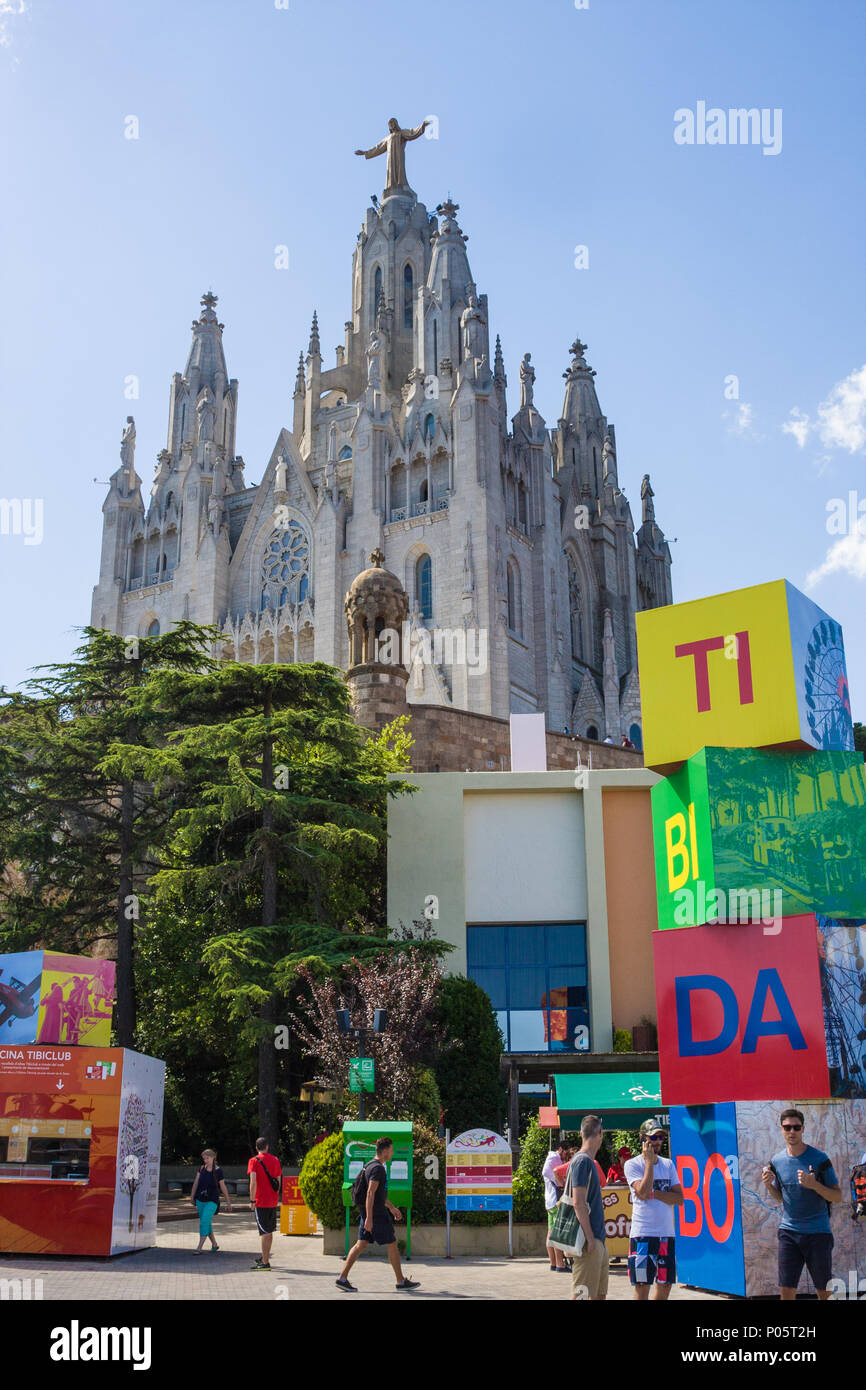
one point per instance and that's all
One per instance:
(9, 10)
(841, 418)
(741, 420)
(798, 426)
(842, 415)
(848, 554)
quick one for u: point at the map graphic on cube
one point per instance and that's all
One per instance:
(762, 667)
(742, 833)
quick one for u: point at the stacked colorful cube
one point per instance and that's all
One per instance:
(759, 827)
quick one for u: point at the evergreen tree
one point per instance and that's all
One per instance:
(80, 834)
(282, 829)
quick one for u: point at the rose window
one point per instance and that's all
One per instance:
(286, 568)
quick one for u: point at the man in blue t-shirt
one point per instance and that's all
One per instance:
(803, 1180)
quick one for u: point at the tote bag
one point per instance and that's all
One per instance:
(567, 1233)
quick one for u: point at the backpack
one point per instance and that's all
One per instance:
(858, 1191)
(359, 1188)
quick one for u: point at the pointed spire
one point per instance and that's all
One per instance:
(314, 350)
(300, 383)
(498, 363)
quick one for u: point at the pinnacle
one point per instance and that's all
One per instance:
(314, 350)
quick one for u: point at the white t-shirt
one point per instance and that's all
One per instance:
(552, 1192)
(650, 1218)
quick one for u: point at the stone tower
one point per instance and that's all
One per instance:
(376, 611)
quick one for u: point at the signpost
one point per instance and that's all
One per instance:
(478, 1177)
(362, 1074)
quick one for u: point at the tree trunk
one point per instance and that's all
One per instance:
(268, 1120)
(125, 1017)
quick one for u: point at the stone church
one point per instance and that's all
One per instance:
(508, 532)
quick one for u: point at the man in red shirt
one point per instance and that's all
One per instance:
(265, 1170)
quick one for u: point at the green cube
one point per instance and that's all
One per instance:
(742, 834)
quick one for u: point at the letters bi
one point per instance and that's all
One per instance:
(767, 984)
(678, 851)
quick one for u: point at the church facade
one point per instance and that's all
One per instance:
(512, 536)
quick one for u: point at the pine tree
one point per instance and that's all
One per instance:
(282, 829)
(80, 832)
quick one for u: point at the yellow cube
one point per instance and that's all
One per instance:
(762, 667)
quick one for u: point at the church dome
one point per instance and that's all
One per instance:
(378, 593)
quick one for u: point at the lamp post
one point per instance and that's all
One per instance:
(344, 1024)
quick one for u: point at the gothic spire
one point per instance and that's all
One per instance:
(498, 363)
(300, 383)
(314, 350)
(206, 357)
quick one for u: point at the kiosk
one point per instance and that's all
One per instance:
(359, 1147)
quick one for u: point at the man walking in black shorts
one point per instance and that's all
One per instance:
(264, 1170)
(802, 1179)
(377, 1221)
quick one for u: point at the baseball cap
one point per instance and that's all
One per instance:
(651, 1126)
(624, 1150)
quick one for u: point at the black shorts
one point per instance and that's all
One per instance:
(266, 1220)
(814, 1250)
(383, 1232)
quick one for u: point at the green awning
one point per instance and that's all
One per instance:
(593, 1093)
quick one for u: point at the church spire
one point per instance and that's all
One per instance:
(300, 383)
(314, 350)
(299, 393)
(498, 363)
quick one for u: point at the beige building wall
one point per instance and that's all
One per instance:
(529, 847)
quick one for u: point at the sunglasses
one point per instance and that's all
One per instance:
(792, 1126)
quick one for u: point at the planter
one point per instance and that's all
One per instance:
(529, 1240)
(643, 1037)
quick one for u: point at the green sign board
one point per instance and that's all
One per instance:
(362, 1074)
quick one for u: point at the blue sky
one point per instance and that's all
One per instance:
(555, 130)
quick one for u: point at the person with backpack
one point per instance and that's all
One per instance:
(802, 1180)
(370, 1196)
(266, 1173)
(206, 1197)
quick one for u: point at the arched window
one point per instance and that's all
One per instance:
(636, 736)
(345, 452)
(521, 507)
(515, 606)
(286, 567)
(424, 587)
(429, 427)
(422, 492)
(153, 630)
(575, 608)
(377, 290)
(592, 732)
(408, 294)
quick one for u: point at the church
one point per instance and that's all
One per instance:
(508, 532)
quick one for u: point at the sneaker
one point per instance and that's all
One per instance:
(345, 1286)
(409, 1284)
(258, 1265)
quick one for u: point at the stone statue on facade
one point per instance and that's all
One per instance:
(394, 145)
(374, 360)
(127, 444)
(527, 380)
(281, 477)
(206, 416)
(472, 327)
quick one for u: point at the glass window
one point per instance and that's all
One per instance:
(407, 296)
(536, 978)
(636, 736)
(153, 630)
(485, 945)
(424, 586)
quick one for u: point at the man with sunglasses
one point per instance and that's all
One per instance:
(802, 1179)
(656, 1190)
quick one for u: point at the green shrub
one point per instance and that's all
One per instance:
(467, 1070)
(423, 1102)
(622, 1040)
(528, 1182)
(321, 1181)
(428, 1179)
(615, 1139)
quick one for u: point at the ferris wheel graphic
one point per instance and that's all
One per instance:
(843, 991)
(828, 701)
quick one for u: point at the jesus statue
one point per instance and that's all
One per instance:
(394, 144)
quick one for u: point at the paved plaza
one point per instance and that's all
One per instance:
(299, 1271)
